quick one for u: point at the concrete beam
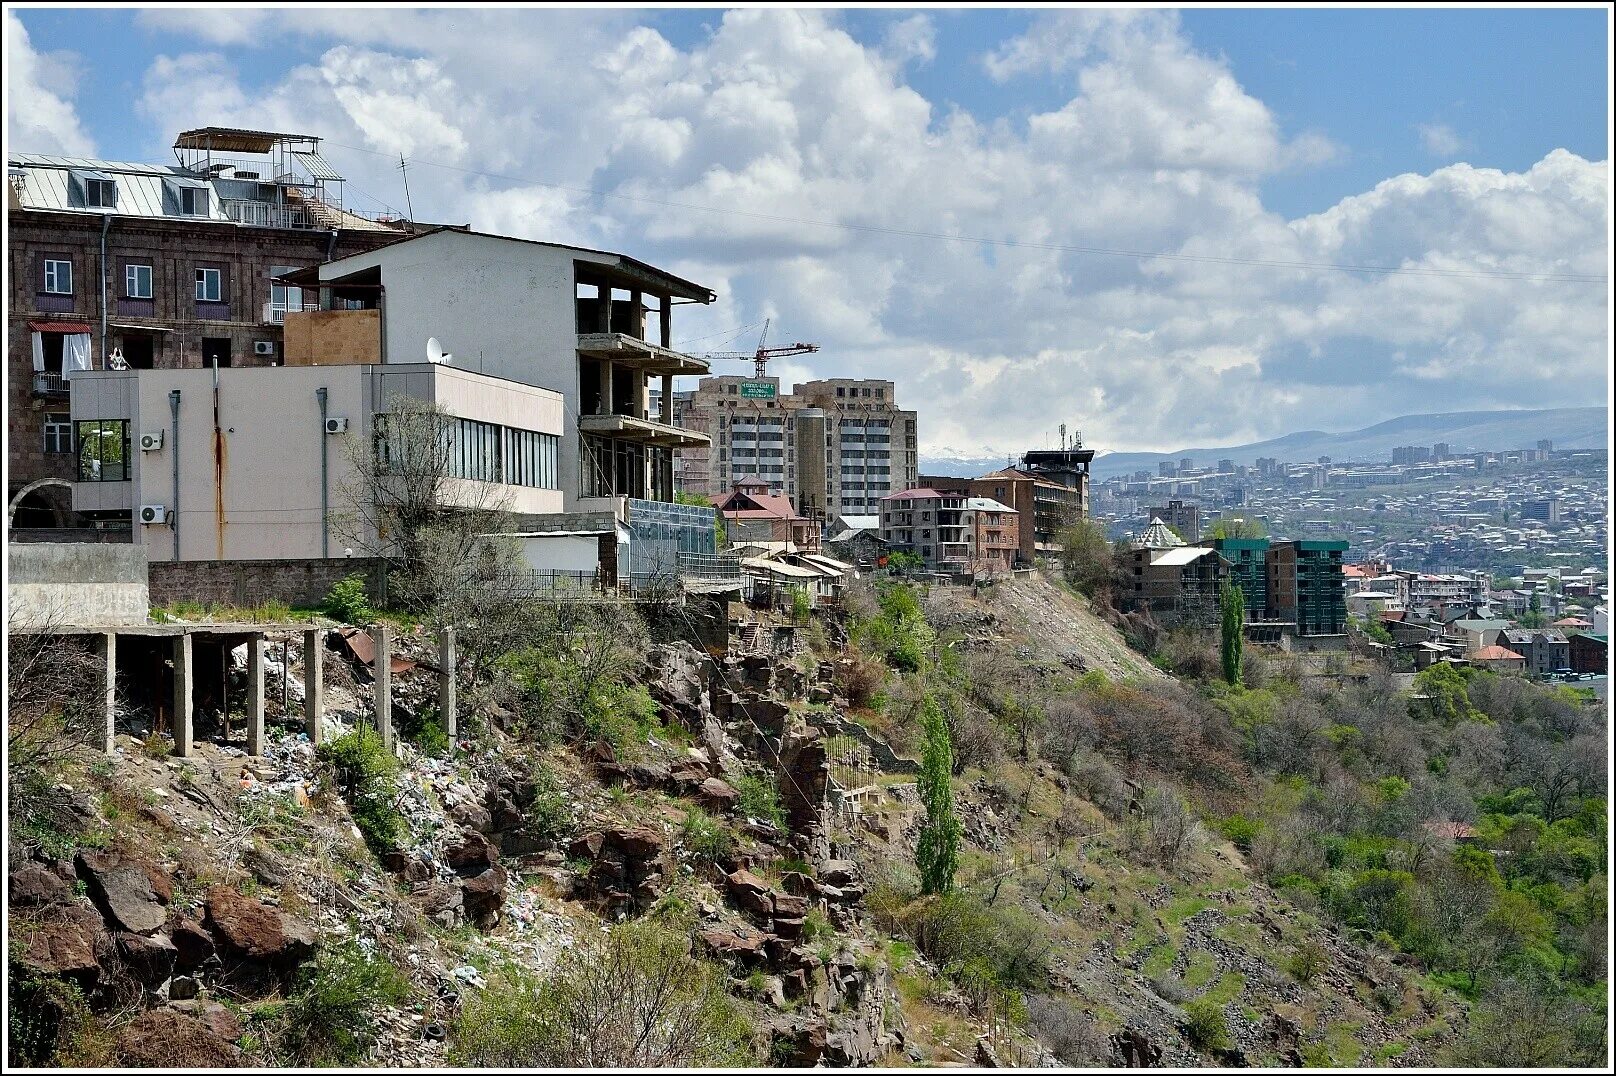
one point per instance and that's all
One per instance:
(255, 695)
(382, 636)
(314, 683)
(447, 702)
(109, 655)
(184, 682)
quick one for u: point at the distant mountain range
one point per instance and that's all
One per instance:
(1567, 427)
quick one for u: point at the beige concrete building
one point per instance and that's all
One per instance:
(835, 447)
(260, 465)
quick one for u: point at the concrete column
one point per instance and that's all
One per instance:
(109, 654)
(666, 417)
(666, 319)
(184, 680)
(447, 714)
(607, 404)
(255, 695)
(381, 637)
(313, 682)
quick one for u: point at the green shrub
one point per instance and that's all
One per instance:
(706, 837)
(1204, 1025)
(549, 817)
(365, 774)
(349, 601)
(1239, 830)
(1306, 961)
(760, 799)
(635, 998)
(330, 1015)
(967, 937)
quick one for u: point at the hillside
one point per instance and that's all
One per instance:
(1135, 882)
(1567, 427)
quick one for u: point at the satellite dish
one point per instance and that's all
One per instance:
(435, 352)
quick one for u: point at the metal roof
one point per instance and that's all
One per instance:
(316, 165)
(48, 186)
(1183, 554)
(236, 139)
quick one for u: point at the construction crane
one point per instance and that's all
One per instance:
(760, 358)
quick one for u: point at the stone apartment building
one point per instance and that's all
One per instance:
(951, 531)
(1167, 574)
(1044, 507)
(1544, 650)
(834, 447)
(116, 264)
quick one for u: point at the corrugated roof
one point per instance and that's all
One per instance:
(317, 166)
(988, 504)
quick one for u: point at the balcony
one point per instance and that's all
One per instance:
(49, 384)
(628, 428)
(631, 351)
(267, 214)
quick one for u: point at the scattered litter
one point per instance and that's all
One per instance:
(469, 975)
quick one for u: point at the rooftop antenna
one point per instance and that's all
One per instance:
(1063, 436)
(403, 168)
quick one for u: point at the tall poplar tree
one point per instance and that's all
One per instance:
(1233, 605)
(937, 852)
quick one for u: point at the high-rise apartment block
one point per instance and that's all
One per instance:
(835, 447)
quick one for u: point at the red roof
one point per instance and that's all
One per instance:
(1354, 570)
(71, 327)
(915, 494)
(1496, 653)
(740, 505)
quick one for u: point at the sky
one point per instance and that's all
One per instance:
(939, 197)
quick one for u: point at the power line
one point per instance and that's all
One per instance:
(1016, 244)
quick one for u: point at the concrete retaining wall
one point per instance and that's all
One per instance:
(76, 584)
(249, 583)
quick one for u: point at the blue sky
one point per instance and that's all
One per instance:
(1510, 84)
(830, 155)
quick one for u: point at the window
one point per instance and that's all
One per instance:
(475, 451)
(58, 433)
(103, 450)
(283, 299)
(58, 277)
(137, 281)
(532, 458)
(194, 201)
(101, 194)
(209, 286)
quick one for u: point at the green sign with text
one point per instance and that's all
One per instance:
(757, 390)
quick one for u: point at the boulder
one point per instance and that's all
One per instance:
(64, 944)
(737, 942)
(256, 931)
(416, 871)
(32, 886)
(1133, 1050)
(472, 856)
(166, 1038)
(484, 895)
(193, 945)
(636, 842)
(131, 894)
(441, 902)
(790, 906)
(838, 872)
(718, 794)
(750, 892)
(151, 959)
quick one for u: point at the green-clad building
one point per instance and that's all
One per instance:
(1306, 586)
(1248, 569)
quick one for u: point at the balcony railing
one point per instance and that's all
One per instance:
(267, 214)
(49, 384)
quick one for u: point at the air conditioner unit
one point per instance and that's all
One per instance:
(263, 347)
(154, 513)
(336, 424)
(151, 441)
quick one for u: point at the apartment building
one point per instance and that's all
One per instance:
(1184, 517)
(1248, 569)
(1306, 587)
(952, 531)
(128, 265)
(834, 447)
(1545, 651)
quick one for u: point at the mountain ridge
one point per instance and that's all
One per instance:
(1567, 427)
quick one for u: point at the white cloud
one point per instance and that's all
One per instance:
(39, 97)
(822, 161)
(1439, 139)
